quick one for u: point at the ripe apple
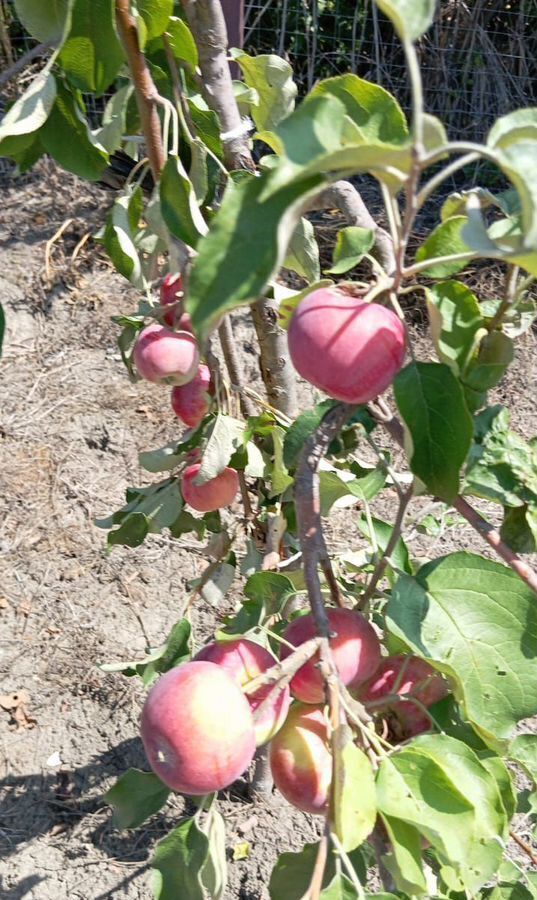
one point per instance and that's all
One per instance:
(190, 402)
(397, 676)
(171, 292)
(245, 660)
(164, 356)
(347, 347)
(214, 494)
(197, 729)
(301, 760)
(355, 648)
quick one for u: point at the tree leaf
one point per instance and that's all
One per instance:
(179, 860)
(29, 112)
(91, 55)
(214, 872)
(148, 510)
(352, 243)
(292, 873)
(437, 785)
(119, 235)
(516, 126)
(68, 139)
(383, 532)
(303, 252)
(182, 43)
(456, 319)
(375, 112)
(271, 588)
(179, 206)
(301, 429)
(281, 479)
(445, 240)
(496, 352)
(156, 14)
(432, 405)
(135, 797)
(272, 79)
(172, 653)
(476, 621)
(354, 797)
(217, 585)
(44, 21)
(221, 278)
(523, 750)
(410, 18)
(110, 134)
(404, 861)
(224, 436)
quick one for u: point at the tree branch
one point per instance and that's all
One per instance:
(472, 516)
(343, 196)
(382, 563)
(276, 369)
(146, 92)
(17, 67)
(227, 339)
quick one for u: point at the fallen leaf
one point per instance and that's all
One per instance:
(241, 851)
(16, 705)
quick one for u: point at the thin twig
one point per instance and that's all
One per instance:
(382, 563)
(524, 846)
(227, 340)
(317, 877)
(10, 73)
(281, 672)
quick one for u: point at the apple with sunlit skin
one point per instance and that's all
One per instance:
(171, 293)
(404, 675)
(246, 660)
(166, 357)
(355, 649)
(301, 760)
(347, 347)
(190, 402)
(213, 494)
(197, 729)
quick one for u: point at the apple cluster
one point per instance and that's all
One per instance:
(200, 727)
(168, 353)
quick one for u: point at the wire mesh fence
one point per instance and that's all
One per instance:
(479, 60)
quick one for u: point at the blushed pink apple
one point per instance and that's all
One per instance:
(245, 660)
(214, 494)
(190, 402)
(347, 347)
(171, 293)
(355, 648)
(197, 729)
(164, 356)
(301, 760)
(400, 675)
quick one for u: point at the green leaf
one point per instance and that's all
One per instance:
(404, 861)
(335, 485)
(29, 112)
(445, 240)
(289, 299)
(291, 876)
(382, 533)
(340, 888)
(456, 320)
(281, 479)
(410, 18)
(148, 510)
(179, 206)
(375, 112)
(303, 252)
(215, 587)
(67, 138)
(44, 21)
(224, 436)
(519, 890)
(132, 532)
(434, 133)
(432, 405)
(271, 588)
(352, 243)
(119, 235)
(221, 278)
(501, 775)
(110, 134)
(523, 750)
(495, 354)
(91, 55)
(158, 659)
(516, 126)
(135, 797)
(272, 79)
(518, 161)
(156, 14)
(476, 621)
(302, 429)
(182, 43)
(354, 798)
(179, 860)
(439, 786)
(214, 872)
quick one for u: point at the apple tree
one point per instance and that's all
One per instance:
(386, 693)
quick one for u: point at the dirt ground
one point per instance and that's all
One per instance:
(71, 426)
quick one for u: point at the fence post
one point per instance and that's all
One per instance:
(234, 16)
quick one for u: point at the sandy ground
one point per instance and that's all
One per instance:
(71, 426)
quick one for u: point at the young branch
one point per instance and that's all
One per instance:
(227, 340)
(281, 673)
(343, 196)
(382, 563)
(144, 86)
(19, 66)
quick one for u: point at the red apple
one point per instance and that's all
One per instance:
(197, 729)
(355, 648)
(301, 760)
(245, 660)
(347, 347)
(190, 402)
(164, 356)
(214, 494)
(400, 675)
(171, 292)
